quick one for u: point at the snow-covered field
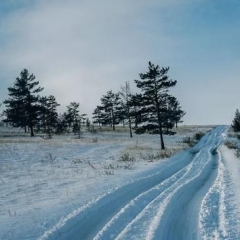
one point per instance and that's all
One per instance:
(108, 186)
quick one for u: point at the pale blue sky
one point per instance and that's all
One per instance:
(80, 49)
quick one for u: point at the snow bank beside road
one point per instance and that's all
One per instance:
(232, 191)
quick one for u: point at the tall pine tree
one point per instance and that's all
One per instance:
(23, 105)
(154, 85)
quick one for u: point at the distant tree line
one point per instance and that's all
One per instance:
(25, 108)
(153, 110)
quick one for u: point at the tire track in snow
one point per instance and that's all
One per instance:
(180, 214)
(137, 206)
(96, 213)
(155, 195)
(212, 209)
(158, 204)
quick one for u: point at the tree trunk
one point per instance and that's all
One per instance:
(113, 120)
(130, 128)
(32, 134)
(162, 142)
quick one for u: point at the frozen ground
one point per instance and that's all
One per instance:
(67, 188)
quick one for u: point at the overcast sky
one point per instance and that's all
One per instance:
(80, 49)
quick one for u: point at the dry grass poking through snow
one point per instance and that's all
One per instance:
(233, 142)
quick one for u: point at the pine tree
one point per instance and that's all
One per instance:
(168, 116)
(236, 122)
(42, 125)
(88, 123)
(178, 114)
(23, 105)
(61, 125)
(174, 113)
(110, 109)
(155, 85)
(136, 109)
(75, 119)
(98, 116)
(52, 115)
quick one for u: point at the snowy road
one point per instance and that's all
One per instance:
(181, 199)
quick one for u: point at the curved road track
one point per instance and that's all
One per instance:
(171, 202)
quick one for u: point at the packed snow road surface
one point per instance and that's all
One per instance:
(181, 199)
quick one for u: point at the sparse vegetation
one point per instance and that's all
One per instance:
(233, 134)
(126, 161)
(151, 156)
(231, 144)
(187, 140)
(77, 161)
(126, 157)
(95, 140)
(49, 158)
(109, 169)
(191, 141)
(198, 135)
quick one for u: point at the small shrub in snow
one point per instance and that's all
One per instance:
(187, 140)
(231, 134)
(231, 145)
(128, 166)
(126, 157)
(49, 158)
(159, 155)
(192, 141)
(198, 135)
(127, 160)
(109, 169)
(95, 140)
(76, 161)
